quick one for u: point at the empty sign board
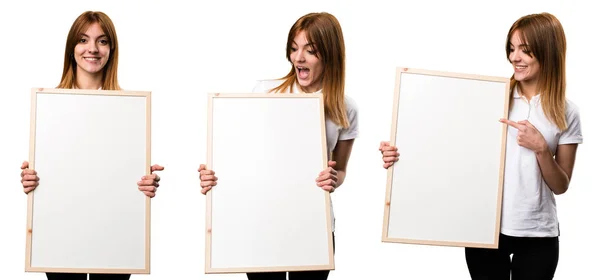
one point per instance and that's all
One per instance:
(446, 188)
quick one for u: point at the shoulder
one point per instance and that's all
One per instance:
(573, 132)
(351, 107)
(572, 111)
(264, 86)
(571, 107)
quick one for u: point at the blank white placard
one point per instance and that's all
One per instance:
(266, 213)
(446, 189)
(89, 148)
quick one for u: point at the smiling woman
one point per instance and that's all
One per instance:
(90, 62)
(541, 145)
(91, 54)
(526, 66)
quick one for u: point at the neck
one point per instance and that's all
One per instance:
(311, 89)
(88, 81)
(528, 89)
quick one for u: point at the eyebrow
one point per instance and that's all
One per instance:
(309, 44)
(521, 45)
(103, 35)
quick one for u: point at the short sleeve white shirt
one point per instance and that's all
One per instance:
(529, 206)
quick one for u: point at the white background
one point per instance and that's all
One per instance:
(181, 51)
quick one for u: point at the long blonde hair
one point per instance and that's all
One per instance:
(80, 25)
(325, 32)
(545, 38)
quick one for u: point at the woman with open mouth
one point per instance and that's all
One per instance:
(315, 48)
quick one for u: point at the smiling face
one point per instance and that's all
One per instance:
(525, 65)
(92, 51)
(308, 66)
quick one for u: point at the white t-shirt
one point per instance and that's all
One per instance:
(529, 207)
(334, 132)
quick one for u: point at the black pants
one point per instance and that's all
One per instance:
(83, 276)
(533, 258)
(294, 275)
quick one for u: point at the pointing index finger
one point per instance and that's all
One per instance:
(511, 123)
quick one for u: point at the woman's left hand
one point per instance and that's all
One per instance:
(327, 179)
(528, 136)
(149, 183)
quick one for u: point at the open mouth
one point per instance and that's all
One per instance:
(302, 72)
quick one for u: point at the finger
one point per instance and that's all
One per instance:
(387, 165)
(331, 163)
(327, 176)
(149, 177)
(208, 178)
(150, 194)
(30, 177)
(390, 159)
(383, 144)
(147, 182)
(328, 188)
(207, 172)
(328, 182)
(25, 165)
(156, 167)
(389, 148)
(147, 188)
(511, 123)
(28, 172)
(519, 140)
(202, 167)
(332, 171)
(205, 184)
(329, 170)
(153, 177)
(206, 189)
(27, 184)
(526, 123)
(28, 189)
(391, 154)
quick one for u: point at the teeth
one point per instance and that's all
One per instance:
(91, 58)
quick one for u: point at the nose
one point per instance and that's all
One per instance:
(93, 48)
(299, 56)
(514, 56)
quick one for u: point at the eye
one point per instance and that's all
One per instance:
(311, 51)
(293, 49)
(82, 40)
(103, 42)
(511, 50)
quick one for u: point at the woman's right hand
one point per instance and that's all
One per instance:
(207, 179)
(389, 154)
(29, 178)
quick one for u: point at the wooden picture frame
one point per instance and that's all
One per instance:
(266, 213)
(89, 148)
(446, 188)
